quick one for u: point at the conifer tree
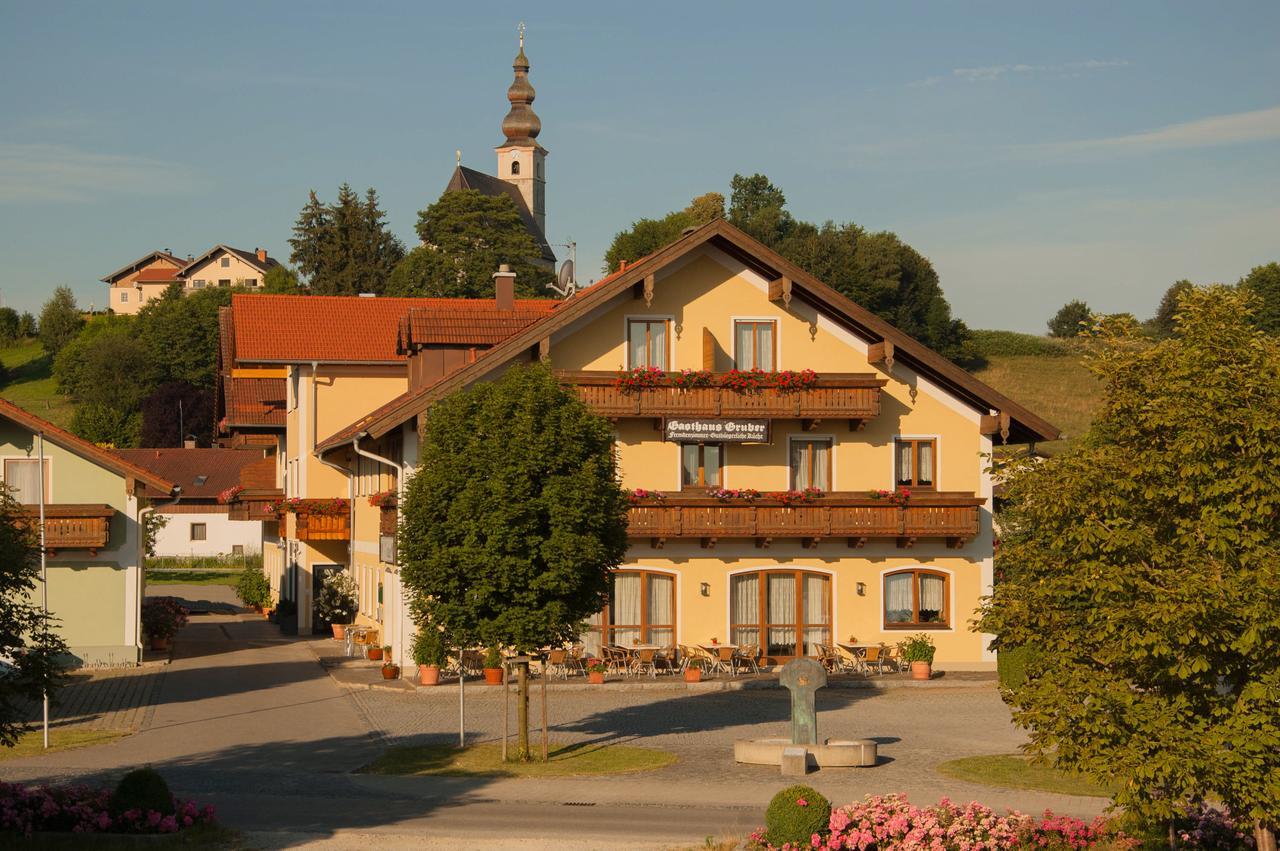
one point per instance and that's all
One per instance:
(344, 248)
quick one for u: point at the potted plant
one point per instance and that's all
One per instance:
(428, 654)
(373, 653)
(693, 671)
(162, 617)
(918, 650)
(595, 671)
(390, 670)
(337, 602)
(493, 667)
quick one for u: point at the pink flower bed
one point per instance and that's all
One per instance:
(84, 809)
(892, 823)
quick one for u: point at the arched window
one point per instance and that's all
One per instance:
(916, 598)
(515, 167)
(785, 611)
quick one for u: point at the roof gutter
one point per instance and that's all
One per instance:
(364, 453)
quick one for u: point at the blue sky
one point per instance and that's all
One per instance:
(1035, 153)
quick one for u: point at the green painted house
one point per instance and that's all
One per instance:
(94, 505)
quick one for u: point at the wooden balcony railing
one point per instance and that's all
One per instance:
(851, 396)
(853, 516)
(74, 527)
(323, 527)
(253, 504)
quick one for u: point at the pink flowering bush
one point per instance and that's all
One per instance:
(83, 809)
(892, 823)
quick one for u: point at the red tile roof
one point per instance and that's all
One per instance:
(301, 328)
(201, 473)
(467, 322)
(254, 401)
(157, 274)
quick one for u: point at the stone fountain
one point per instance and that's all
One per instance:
(803, 678)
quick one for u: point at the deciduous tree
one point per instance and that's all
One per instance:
(164, 423)
(8, 326)
(515, 518)
(60, 320)
(1070, 319)
(1264, 282)
(465, 236)
(1162, 324)
(646, 236)
(33, 651)
(1143, 564)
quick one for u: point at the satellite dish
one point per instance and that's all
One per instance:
(565, 285)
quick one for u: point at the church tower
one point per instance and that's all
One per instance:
(521, 160)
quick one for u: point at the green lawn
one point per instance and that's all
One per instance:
(192, 577)
(1013, 771)
(486, 761)
(1059, 389)
(31, 385)
(31, 743)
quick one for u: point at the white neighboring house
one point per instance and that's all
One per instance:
(200, 524)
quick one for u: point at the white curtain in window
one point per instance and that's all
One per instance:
(800, 471)
(626, 607)
(898, 601)
(764, 345)
(689, 464)
(745, 345)
(711, 464)
(821, 464)
(926, 464)
(904, 463)
(23, 478)
(932, 596)
(591, 638)
(744, 608)
(817, 610)
(658, 345)
(781, 611)
(636, 352)
(662, 597)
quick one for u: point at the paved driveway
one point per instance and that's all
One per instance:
(248, 720)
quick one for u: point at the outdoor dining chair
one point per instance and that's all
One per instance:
(557, 664)
(746, 656)
(665, 659)
(875, 657)
(642, 662)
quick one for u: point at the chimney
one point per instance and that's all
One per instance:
(262, 255)
(189, 442)
(504, 288)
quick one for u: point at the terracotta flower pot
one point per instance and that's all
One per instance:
(493, 676)
(266, 613)
(596, 677)
(921, 670)
(429, 675)
(159, 643)
(693, 675)
(373, 654)
(339, 631)
(391, 672)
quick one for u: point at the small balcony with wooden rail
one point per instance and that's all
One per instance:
(851, 396)
(73, 526)
(854, 517)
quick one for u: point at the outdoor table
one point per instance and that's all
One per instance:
(721, 663)
(857, 651)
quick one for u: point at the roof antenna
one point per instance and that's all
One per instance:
(566, 279)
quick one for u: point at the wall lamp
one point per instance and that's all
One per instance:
(705, 588)
(862, 589)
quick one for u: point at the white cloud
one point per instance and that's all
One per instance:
(1256, 126)
(50, 172)
(991, 73)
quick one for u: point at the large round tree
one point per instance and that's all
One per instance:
(1143, 566)
(515, 518)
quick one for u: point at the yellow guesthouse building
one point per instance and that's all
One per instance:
(757, 515)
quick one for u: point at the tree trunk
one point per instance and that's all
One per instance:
(1173, 836)
(522, 710)
(1264, 836)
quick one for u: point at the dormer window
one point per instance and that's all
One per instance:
(515, 167)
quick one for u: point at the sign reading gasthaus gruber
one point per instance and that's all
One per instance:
(686, 430)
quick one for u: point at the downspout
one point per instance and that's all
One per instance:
(142, 559)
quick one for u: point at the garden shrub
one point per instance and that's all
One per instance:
(252, 588)
(27, 810)
(795, 814)
(1007, 343)
(142, 789)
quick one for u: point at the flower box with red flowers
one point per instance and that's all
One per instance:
(687, 379)
(385, 499)
(789, 381)
(901, 497)
(747, 380)
(640, 496)
(640, 378)
(230, 495)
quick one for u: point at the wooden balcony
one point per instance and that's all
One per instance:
(855, 517)
(74, 527)
(322, 527)
(851, 396)
(253, 504)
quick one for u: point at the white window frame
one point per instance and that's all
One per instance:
(49, 478)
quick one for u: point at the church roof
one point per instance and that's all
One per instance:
(487, 184)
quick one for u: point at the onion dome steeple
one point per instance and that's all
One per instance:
(521, 126)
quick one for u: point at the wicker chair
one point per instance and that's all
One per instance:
(746, 656)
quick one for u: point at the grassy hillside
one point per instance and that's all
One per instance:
(31, 384)
(1046, 376)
